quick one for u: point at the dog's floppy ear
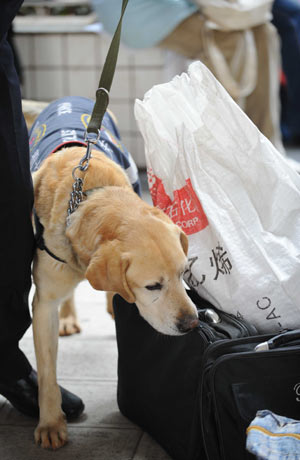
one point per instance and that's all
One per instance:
(184, 242)
(107, 271)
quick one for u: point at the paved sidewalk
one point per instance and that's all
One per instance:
(87, 365)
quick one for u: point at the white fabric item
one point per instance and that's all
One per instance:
(213, 172)
(245, 56)
(236, 14)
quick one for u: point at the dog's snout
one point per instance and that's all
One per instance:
(187, 323)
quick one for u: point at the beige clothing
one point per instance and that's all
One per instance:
(262, 105)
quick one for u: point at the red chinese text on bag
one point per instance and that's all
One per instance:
(185, 209)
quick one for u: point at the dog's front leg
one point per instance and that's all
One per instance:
(51, 431)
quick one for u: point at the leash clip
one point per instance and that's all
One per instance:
(92, 138)
(89, 138)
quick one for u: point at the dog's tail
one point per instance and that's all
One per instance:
(31, 110)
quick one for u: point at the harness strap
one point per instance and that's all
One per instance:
(39, 238)
(39, 230)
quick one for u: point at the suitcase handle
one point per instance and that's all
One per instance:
(278, 340)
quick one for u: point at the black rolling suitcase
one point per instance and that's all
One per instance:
(196, 394)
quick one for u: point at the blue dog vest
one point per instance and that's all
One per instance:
(64, 122)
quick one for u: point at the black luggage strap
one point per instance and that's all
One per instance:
(285, 338)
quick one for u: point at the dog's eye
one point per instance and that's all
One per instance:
(154, 287)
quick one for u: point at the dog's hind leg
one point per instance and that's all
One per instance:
(109, 303)
(68, 322)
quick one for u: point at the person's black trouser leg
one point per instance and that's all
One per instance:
(16, 235)
(18, 382)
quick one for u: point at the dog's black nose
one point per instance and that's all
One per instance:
(187, 323)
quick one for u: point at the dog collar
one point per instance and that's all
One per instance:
(77, 196)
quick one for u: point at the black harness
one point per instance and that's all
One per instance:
(39, 238)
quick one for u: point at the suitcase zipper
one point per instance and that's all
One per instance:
(240, 324)
(206, 332)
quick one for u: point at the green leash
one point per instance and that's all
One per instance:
(102, 93)
(92, 134)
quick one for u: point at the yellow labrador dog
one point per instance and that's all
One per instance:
(114, 240)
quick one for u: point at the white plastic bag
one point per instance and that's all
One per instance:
(236, 197)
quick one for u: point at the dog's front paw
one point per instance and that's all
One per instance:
(51, 436)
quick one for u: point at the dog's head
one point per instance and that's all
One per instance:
(145, 265)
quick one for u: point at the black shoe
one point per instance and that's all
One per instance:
(23, 395)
